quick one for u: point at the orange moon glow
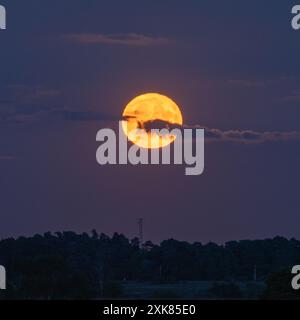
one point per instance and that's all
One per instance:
(150, 108)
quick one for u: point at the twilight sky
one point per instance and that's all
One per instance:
(68, 68)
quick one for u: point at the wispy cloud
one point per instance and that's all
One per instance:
(130, 39)
(25, 103)
(217, 135)
(37, 108)
(55, 114)
(250, 136)
(246, 136)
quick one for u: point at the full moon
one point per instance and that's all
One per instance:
(150, 108)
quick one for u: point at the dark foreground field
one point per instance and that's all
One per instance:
(94, 266)
(193, 290)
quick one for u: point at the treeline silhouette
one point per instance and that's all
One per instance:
(70, 265)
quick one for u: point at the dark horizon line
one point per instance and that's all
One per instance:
(115, 233)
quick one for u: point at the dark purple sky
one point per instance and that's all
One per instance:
(68, 68)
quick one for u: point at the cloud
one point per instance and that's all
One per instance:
(237, 136)
(25, 103)
(130, 39)
(36, 107)
(55, 114)
(249, 136)
(246, 136)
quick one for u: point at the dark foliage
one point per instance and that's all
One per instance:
(72, 266)
(226, 291)
(279, 287)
